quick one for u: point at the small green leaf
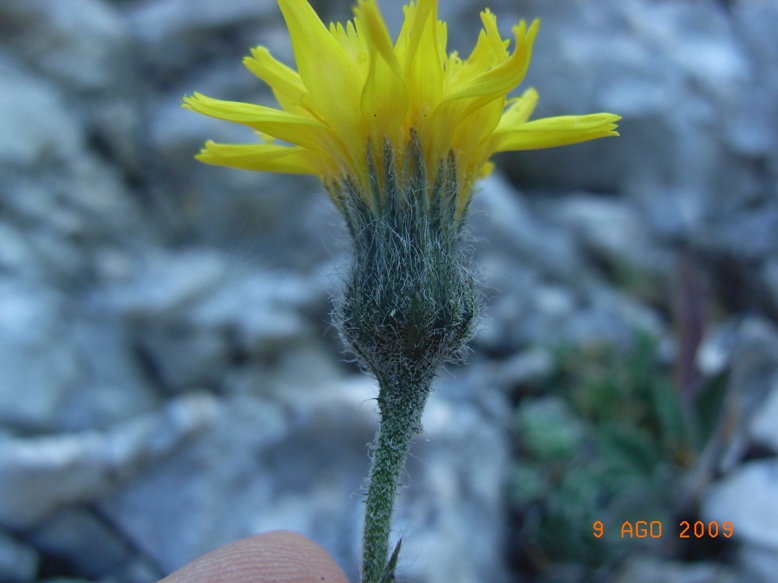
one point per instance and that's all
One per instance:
(388, 576)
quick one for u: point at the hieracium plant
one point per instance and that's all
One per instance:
(398, 132)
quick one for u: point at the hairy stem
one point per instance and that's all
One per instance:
(401, 409)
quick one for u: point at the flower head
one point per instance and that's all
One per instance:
(357, 95)
(398, 132)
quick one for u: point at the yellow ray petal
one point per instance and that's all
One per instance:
(471, 142)
(286, 84)
(416, 17)
(283, 125)
(505, 76)
(325, 69)
(355, 88)
(489, 50)
(385, 95)
(486, 169)
(471, 133)
(422, 65)
(419, 51)
(519, 111)
(556, 131)
(376, 34)
(354, 45)
(264, 158)
(497, 44)
(488, 88)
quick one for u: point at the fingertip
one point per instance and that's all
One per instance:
(279, 556)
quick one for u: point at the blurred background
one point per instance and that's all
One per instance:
(170, 381)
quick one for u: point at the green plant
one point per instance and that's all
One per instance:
(608, 442)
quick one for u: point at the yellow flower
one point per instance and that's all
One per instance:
(357, 94)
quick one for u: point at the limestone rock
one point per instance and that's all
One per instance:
(38, 475)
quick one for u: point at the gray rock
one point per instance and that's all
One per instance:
(79, 44)
(86, 49)
(545, 291)
(301, 467)
(698, 107)
(81, 538)
(753, 375)
(175, 34)
(531, 366)
(714, 354)
(763, 428)
(112, 384)
(512, 228)
(264, 308)
(18, 255)
(165, 283)
(194, 310)
(92, 547)
(74, 368)
(27, 136)
(451, 515)
(770, 279)
(751, 130)
(759, 563)
(18, 561)
(165, 19)
(183, 356)
(41, 474)
(727, 235)
(259, 467)
(35, 360)
(654, 570)
(279, 220)
(58, 192)
(747, 498)
(610, 315)
(294, 379)
(612, 229)
(528, 312)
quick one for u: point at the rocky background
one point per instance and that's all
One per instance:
(169, 380)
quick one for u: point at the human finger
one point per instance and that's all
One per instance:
(279, 556)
